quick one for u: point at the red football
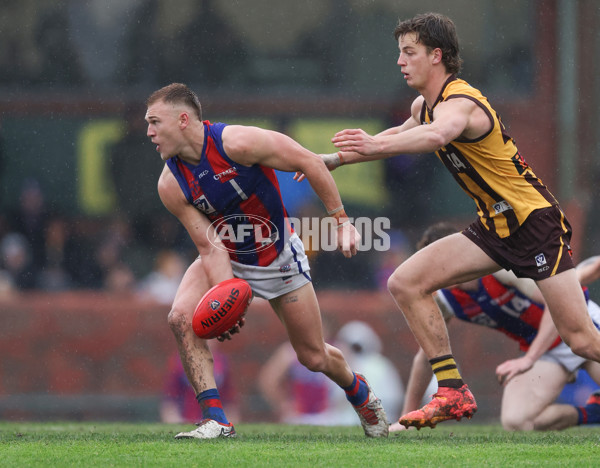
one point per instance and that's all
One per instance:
(221, 308)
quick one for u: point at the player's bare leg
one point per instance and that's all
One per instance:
(451, 260)
(196, 357)
(194, 352)
(560, 416)
(568, 308)
(527, 401)
(299, 312)
(448, 261)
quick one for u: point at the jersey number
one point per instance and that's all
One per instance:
(456, 162)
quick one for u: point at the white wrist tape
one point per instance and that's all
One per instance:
(331, 160)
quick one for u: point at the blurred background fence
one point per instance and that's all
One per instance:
(85, 243)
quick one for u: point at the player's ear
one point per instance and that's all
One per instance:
(436, 55)
(184, 120)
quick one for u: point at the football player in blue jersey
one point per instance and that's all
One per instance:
(223, 175)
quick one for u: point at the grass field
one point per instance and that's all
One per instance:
(66, 444)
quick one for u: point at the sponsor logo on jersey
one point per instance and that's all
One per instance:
(204, 205)
(502, 206)
(226, 174)
(202, 174)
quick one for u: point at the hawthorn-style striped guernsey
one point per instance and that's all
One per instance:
(232, 195)
(489, 168)
(496, 305)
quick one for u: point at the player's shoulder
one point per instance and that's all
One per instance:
(417, 107)
(418, 102)
(460, 86)
(165, 176)
(237, 139)
(241, 140)
(168, 188)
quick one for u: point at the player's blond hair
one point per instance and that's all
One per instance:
(176, 93)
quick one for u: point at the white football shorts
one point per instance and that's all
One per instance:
(563, 355)
(288, 272)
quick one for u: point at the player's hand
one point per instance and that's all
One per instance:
(509, 369)
(332, 161)
(356, 140)
(232, 331)
(397, 427)
(299, 176)
(348, 239)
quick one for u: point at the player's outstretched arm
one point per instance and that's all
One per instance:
(588, 270)
(252, 145)
(451, 119)
(339, 158)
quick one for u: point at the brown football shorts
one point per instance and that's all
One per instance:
(540, 248)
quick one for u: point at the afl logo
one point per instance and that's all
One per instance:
(243, 233)
(214, 304)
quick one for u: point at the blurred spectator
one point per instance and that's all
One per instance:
(362, 348)
(298, 395)
(179, 403)
(107, 266)
(30, 219)
(161, 284)
(7, 285)
(15, 257)
(54, 275)
(119, 279)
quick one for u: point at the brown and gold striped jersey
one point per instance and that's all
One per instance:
(489, 168)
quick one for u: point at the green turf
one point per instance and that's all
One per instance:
(261, 445)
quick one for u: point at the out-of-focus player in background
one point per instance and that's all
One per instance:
(520, 226)
(532, 382)
(223, 175)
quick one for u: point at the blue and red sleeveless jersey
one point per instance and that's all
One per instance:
(496, 305)
(244, 203)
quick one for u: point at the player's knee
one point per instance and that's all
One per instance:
(584, 343)
(514, 422)
(403, 288)
(398, 285)
(582, 347)
(177, 320)
(312, 360)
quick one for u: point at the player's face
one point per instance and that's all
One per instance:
(414, 61)
(163, 128)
